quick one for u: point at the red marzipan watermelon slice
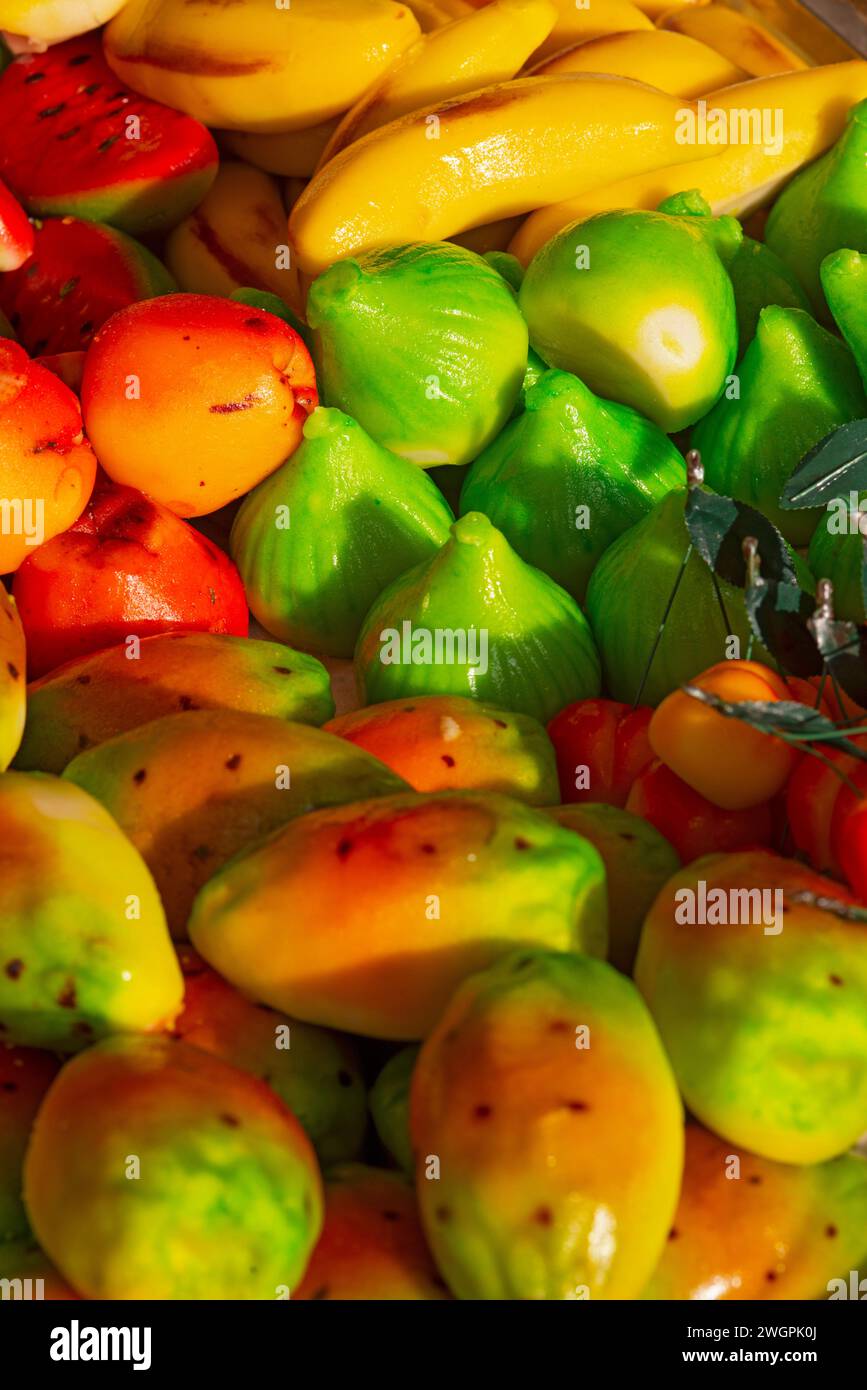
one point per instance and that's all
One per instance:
(68, 143)
(80, 274)
(16, 233)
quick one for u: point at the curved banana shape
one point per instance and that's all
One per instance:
(590, 21)
(808, 109)
(742, 40)
(292, 153)
(488, 46)
(678, 64)
(232, 239)
(257, 66)
(433, 14)
(482, 157)
(52, 21)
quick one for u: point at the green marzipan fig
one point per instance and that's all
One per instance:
(627, 597)
(569, 476)
(844, 280)
(760, 278)
(389, 1106)
(318, 540)
(823, 208)
(476, 620)
(225, 1200)
(640, 307)
(423, 344)
(797, 384)
(83, 939)
(103, 694)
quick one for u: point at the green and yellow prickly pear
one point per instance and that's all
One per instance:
(797, 382)
(83, 936)
(443, 743)
(314, 1071)
(389, 1106)
(823, 208)
(477, 621)
(301, 921)
(97, 697)
(25, 1075)
(748, 1228)
(182, 1177)
(12, 679)
(548, 1133)
(761, 1001)
(318, 541)
(192, 789)
(569, 476)
(372, 1246)
(638, 861)
(424, 345)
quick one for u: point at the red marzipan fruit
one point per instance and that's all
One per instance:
(606, 737)
(16, 232)
(128, 567)
(80, 273)
(76, 140)
(694, 825)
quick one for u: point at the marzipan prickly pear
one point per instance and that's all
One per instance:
(99, 696)
(192, 789)
(301, 922)
(181, 1177)
(70, 878)
(764, 1019)
(314, 1071)
(548, 1133)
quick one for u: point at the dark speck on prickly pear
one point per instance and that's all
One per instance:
(139, 777)
(14, 968)
(234, 762)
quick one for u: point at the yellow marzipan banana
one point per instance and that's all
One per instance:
(231, 240)
(482, 157)
(812, 103)
(292, 153)
(655, 9)
(433, 14)
(52, 21)
(488, 46)
(257, 66)
(676, 63)
(591, 21)
(740, 39)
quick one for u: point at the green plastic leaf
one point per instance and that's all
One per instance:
(788, 719)
(718, 528)
(837, 464)
(778, 614)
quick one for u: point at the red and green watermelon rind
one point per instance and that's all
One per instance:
(80, 274)
(68, 146)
